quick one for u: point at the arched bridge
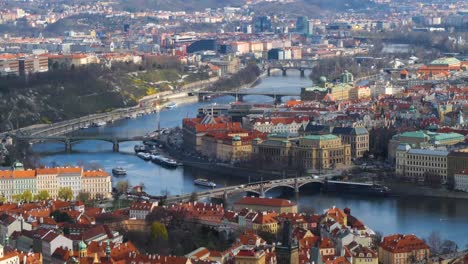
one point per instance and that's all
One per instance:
(285, 65)
(277, 97)
(260, 188)
(68, 141)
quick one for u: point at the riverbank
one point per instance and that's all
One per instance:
(402, 189)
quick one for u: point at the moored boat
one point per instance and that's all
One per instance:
(161, 160)
(171, 105)
(204, 182)
(144, 155)
(139, 148)
(119, 171)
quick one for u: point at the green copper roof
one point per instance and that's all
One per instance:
(445, 61)
(414, 134)
(321, 137)
(448, 136)
(82, 245)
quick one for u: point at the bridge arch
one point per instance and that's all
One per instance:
(278, 186)
(311, 183)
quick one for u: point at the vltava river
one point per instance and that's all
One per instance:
(388, 215)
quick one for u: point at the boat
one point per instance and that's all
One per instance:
(119, 171)
(171, 105)
(204, 182)
(144, 155)
(98, 124)
(139, 148)
(84, 127)
(167, 162)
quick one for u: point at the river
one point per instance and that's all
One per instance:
(387, 215)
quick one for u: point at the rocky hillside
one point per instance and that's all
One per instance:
(69, 93)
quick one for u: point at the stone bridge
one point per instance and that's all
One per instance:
(259, 188)
(69, 141)
(285, 65)
(239, 96)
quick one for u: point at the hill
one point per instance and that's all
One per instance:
(302, 7)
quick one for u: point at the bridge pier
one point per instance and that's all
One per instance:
(68, 146)
(302, 72)
(277, 99)
(269, 71)
(239, 98)
(284, 71)
(115, 146)
(296, 185)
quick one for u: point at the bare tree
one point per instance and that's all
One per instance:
(434, 241)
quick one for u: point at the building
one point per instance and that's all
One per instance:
(16, 181)
(440, 66)
(420, 139)
(195, 128)
(275, 149)
(402, 249)
(320, 152)
(249, 255)
(261, 24)
(358, 93)
(461, 181)
(266, 222)
(358, 254)
(266, 204)
(11, 257)
(456, 161)
(421, 164)
(97, 183)
(280, 125)
(139, 210)
(288, 251)
(10, 224)
(357, 137)
(229, 146)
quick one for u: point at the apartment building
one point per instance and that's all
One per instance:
(16, 181)
(402, 249)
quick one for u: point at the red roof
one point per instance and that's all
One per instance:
(265, 202)
(399, 243)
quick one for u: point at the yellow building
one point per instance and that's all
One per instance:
(419, 164)
(320, 152)
(266, 222)
(358, 93)
(97, 183)
(402, 249)
(234, 146)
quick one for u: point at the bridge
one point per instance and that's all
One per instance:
(285, 65)
(69, 141)
(259, 188)
(239, 96)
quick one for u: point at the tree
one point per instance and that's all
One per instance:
(27, 196)
(434, 241)
(83, 196)
(376, 239)
(17, 197)
(449, 246)
(159, 231)
(65, 193)
(61, 217)
(122, 186)
(42, 195)
(193, 197)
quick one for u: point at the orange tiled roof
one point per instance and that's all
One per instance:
(399, 243)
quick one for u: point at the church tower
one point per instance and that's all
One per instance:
(288, 251)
